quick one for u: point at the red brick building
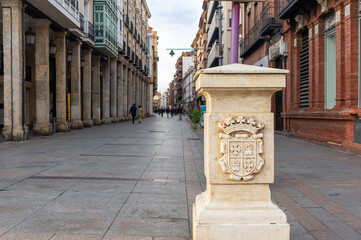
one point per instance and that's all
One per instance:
(318, 41)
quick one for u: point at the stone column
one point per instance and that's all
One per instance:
(106, 93)
(62, 124)
(87, 88)
(150, 99)
(120, 92)
(114, 90)
(125, 92)
(42, 124)
(239, 155)
(75, 86)
(130, 89)
(14, 129)
(135, 88)
(96, 91)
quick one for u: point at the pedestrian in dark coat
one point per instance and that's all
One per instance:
(180, 112)
(167, 111)
(133, 110)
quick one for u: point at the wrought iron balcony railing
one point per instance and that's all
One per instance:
(251, 40)
(270, 22)
(81, 20)
(290, 8)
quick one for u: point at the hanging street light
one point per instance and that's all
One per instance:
(69, 56)
(30, 37)
(52, 48)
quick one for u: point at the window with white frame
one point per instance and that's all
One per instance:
(330, 62)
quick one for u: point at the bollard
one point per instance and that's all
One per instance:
(239, 155)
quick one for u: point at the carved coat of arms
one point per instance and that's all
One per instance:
(242, 146)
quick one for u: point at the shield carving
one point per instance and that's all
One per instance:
(242, 157)
(242, 146)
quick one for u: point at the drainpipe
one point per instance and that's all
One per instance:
(23, 73)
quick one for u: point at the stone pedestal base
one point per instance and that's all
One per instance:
(62, 127)
(245, 220)
(115, 120)
(43, 129)
(16, 134)
(76, 124)
(120, 119)
(97, 122)
(87, 123)
(106, 120)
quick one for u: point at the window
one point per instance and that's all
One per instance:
(304, 72)
(330, 73)
(229, 19)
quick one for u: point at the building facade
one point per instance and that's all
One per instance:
(318, 41)
(67, 66)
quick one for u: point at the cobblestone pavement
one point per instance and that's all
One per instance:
(138, 182)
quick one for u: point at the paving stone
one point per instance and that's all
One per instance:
(155, 227)
(61, 236)
(26, 236)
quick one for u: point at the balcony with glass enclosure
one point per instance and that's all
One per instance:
(106, 27)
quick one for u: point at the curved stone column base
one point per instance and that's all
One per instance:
(120, 119)
(87, 123)
(77, 124)
(62, 127)
(115, 120)
(43, 129)
(18, 134)
(106, 121)
(97, 122)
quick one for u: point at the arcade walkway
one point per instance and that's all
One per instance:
(121, 180)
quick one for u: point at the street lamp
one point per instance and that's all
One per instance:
(30, 37)
(52, 48)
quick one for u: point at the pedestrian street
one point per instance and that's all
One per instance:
(139, 181)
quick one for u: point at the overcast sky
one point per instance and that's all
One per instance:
(176, 22)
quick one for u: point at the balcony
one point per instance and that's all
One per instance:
(270, 23)
(213, 56)
(290, 8)
(213, 32)
(211, 10)
(63, 12)
(252, 40)
(127, 20)
(127, 55)
(136, 61)
(89, 30)
(105, 25)
(131, 27)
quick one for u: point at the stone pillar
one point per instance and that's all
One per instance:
(106, 93)
(114, 90)
(130, 100)
(87, 88)
(135, 88)
(120, 92)
(42, 124)
(14, 129)
(62, 124)
(125, 92)
(75, 86)
(96, 91)
(239, 155)
(150, 99)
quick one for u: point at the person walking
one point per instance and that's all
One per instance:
(172, 112)
(162, 112)
(180, 111)
(167, 111)
(140, 114)
(133, 110)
